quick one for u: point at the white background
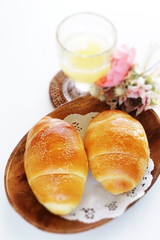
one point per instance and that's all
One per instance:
(28, 60)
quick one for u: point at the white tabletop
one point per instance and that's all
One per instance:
(28, 60)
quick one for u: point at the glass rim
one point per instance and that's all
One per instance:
(81, 55)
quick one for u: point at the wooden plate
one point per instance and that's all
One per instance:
(19, 193)
(59, 84)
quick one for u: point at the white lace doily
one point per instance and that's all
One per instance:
(97, 203)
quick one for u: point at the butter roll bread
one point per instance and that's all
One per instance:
(117, 150)
(56, 165)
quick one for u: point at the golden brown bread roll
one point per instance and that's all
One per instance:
(117, 150)
(56, 165)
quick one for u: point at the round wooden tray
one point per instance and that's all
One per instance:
(60, 82)
(20, 194)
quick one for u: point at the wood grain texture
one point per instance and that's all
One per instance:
(19, 193)
(58, 83)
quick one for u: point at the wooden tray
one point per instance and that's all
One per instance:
(59, 82)
(19, 193)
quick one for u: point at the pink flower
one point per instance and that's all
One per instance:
(121, 64)
(135, 92)
(142, 91)
(145, 104)
(139, 90)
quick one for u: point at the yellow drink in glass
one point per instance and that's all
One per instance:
(87, 63)
(86, 42)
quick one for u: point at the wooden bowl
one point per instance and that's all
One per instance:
(20, 194)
